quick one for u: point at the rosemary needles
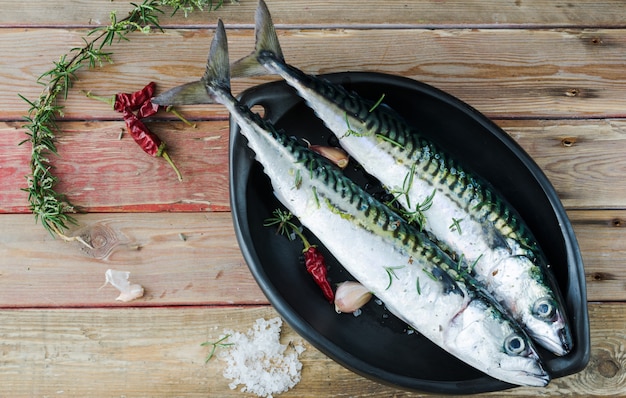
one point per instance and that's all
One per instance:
(50, 207)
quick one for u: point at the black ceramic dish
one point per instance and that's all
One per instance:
(376, 344)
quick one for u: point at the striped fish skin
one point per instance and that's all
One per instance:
(466, 215)
(393, 259)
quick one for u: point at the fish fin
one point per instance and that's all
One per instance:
(217, 68)
(266, 42)
(248, 66)
(448, 283)
(187, 94)
(217, 75)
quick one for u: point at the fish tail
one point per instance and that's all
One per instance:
(216, 77)
(217, 74)
(266, 44)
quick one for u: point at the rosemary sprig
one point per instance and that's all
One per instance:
(407, 184)
(391, 273)
(417, 216)
(282, 220)
(456, 225)
(377, 104)
(430, 274)
(298, 180)
(215, 345)
(188, 6)
(349, 130)
(50, 207)
(390, 140)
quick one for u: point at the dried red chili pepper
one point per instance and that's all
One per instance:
(147, 109)
(313, 258)
(316, 267)
(140, 101)
(134, 101)
(147, 140)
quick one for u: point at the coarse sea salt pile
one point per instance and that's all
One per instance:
(259, 362)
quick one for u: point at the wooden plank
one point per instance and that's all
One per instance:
(602, 239)
(503, 73)
(179, 259)
(98, 172)
(415, 13)
(207, 266)
(156, 352)
(582, 159)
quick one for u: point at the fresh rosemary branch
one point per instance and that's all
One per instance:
(50, 207)
(188, 6)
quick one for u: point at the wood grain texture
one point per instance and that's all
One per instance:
(204, 265)
(101, 168)
(156, 352)
(602, 239)
(179, 259)
(503, 73)
(493, 13)
(101, 173)
(582, 159)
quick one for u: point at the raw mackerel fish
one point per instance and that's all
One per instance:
(343, 216)
(458, 209)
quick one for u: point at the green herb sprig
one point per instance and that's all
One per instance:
(215, 345)
(391, 273)
(415, 216)
(50, 207)
(282, 220)
(456, 225)
(188, 6)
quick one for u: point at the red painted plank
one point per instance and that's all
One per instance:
(99, 172)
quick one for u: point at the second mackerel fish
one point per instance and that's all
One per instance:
(343, 216)
(459, 209)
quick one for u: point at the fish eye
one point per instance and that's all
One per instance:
(514, 344)
(544, 308)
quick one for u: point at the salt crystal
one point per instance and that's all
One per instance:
(259, 362)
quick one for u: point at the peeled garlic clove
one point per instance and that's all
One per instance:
(119, 280)
(350, 296)
(336, 155)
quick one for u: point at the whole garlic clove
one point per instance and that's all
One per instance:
(336, 155)
(351, 296)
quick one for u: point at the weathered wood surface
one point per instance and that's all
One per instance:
(101, 172)
(501, 72)
(187, 258)
(490, 13)
(156, 352)
(550, 73)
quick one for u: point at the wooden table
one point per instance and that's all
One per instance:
(550, 73)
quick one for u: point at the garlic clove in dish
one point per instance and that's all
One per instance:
(351, 296)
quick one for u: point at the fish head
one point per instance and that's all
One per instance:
(549, 324)
(495, 345)
(539, 304)
(519, 361)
